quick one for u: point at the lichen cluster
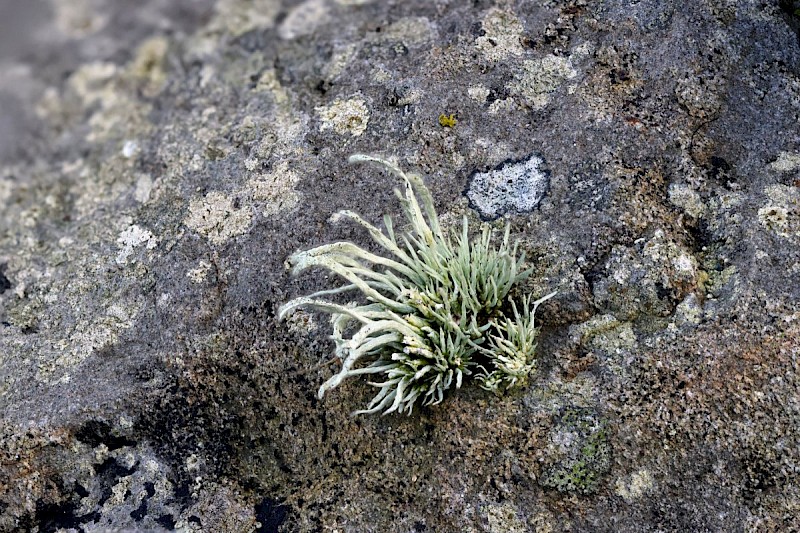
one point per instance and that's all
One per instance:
(433, 312)
(585, 453)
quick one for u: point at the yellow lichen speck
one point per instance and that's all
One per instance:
(447, 121)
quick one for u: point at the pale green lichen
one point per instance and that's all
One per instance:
(78, 18)
(237, 17)
(434, 312)
(304, 19)
(131, 238)
(273, 192)
(538, 79)
(633, 487)
(478, 93)
(581, 442)
(503, 34)
(216, 217)
(781, 214)
(344, 116)
(786, 162)
(686, 198)
(503, 518)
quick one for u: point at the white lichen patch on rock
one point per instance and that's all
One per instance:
(688, 199)
(104, 91)
(611, 341)
(105, 330)
(251, 163)
(88, 337)
(303, 19)
(504, 518)
(273, 192)
(678, 268)
(781, 215)
(647, 277)
(517, 187)
(502, 36)
(633, 487)
(540, 78)
(411, 31)
(503, 106)
(216, 218)
(701, 99)
(148, 64)
(78, 18)
(786, 162)
(301, 322)
(147, 483)
(219, 507)
(238, 17)
(689, 311)
(604, 332)
(131, 238)
(478, 93)
(199, 273)
(775, 218)
(90, 81)
(269, 82)
(344, 116)
(410, 97)
(342, 56)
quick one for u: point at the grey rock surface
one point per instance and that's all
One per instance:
(160, 159)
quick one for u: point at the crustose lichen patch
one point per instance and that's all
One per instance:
(513, 187)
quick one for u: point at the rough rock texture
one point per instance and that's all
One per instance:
(161, 158)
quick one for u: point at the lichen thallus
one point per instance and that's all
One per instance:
(433, 306)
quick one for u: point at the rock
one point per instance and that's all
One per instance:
(160, 160)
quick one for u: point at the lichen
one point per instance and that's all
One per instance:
(273, 192)
(781, 215)
(434, 315)
(786, 162)
(200, 272)
(687, 199)
(635, 486)
(132, 237)
(303, 19)
(478, 93)
(411, 31)
(237, 17)
(503, 518)
(447, 121)
(148, 64)
(539, 78)
(502, 36)
(216, 218)
(647, 278)
(581, 441)
(344, 116)
(78, 18)
(517, 187)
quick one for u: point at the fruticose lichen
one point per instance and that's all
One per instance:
(433, 314)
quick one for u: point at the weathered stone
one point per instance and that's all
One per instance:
(159, 161)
